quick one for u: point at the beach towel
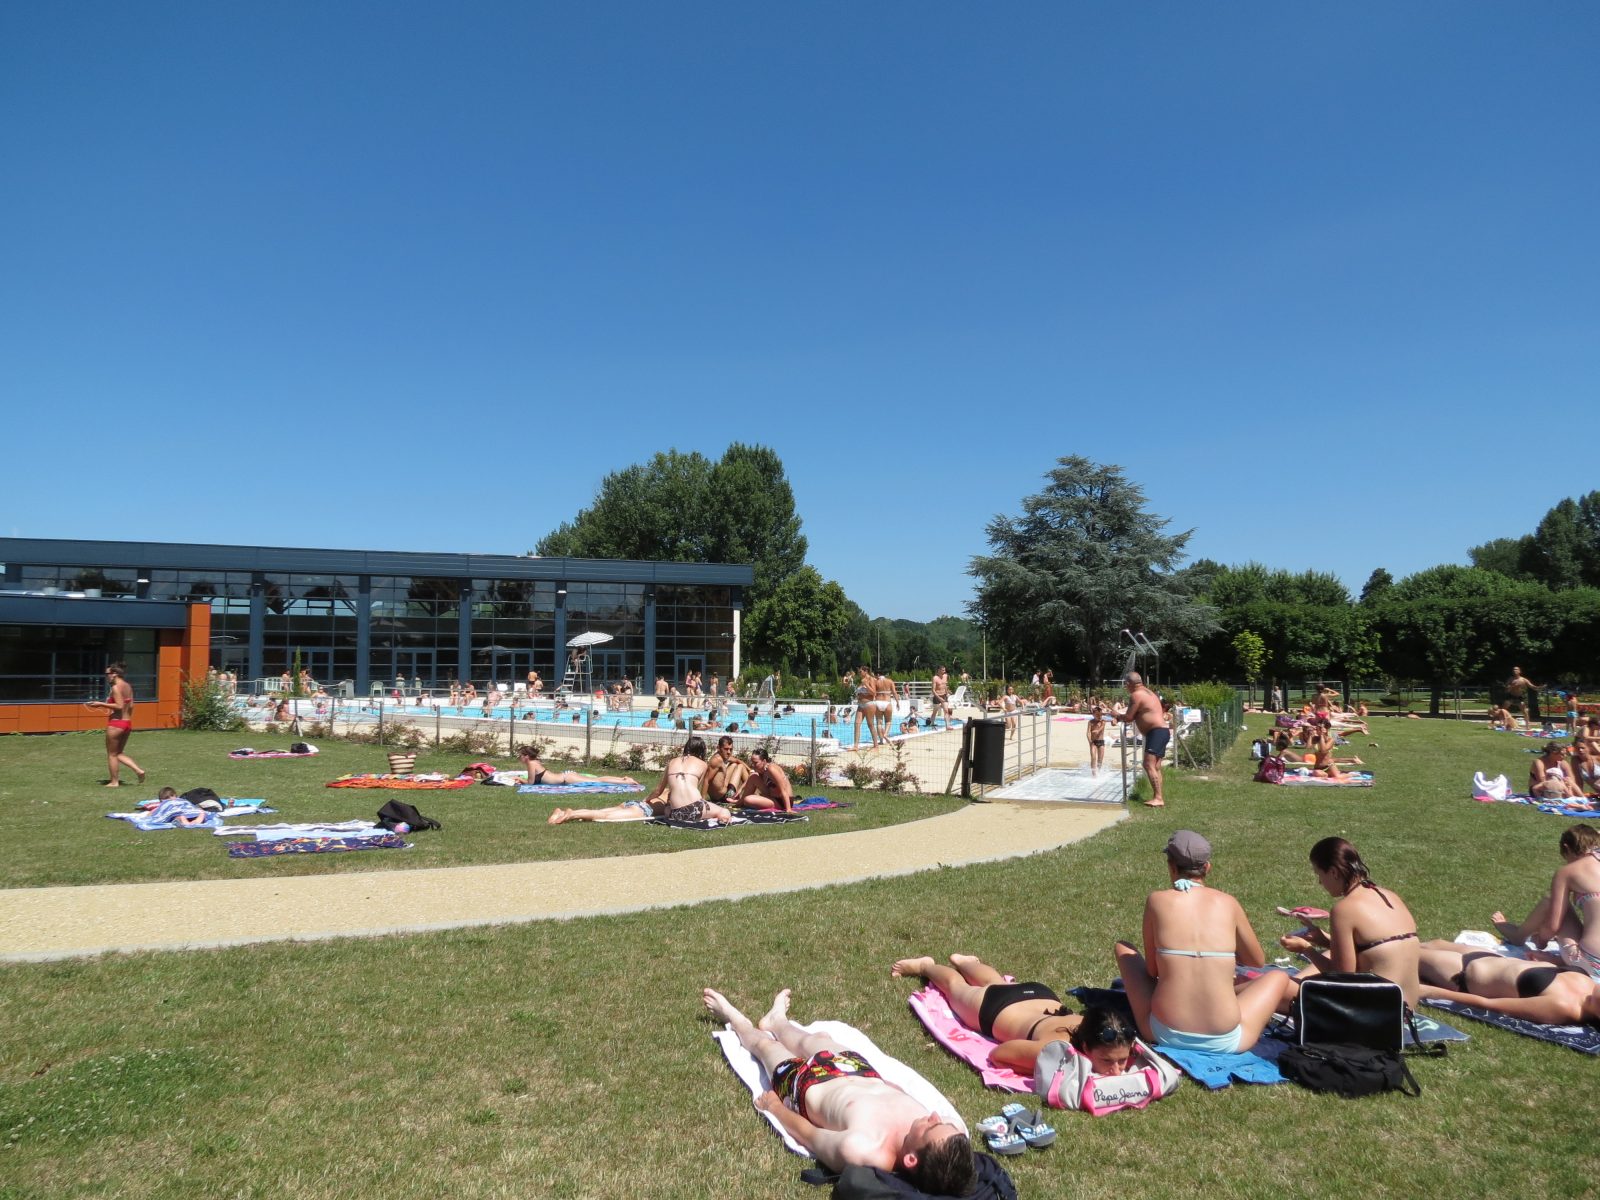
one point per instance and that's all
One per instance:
(1585, 1039)
(316, 845)
(1559, 808)
(586, 788)
(165, 815)
(755, 1079)
(291, 828)
(246, 752)
(1259, 1064)
(402, 782)
(708, 823)
(812, 803)
(1351, 779)
(970, 1046)
(1544, 735)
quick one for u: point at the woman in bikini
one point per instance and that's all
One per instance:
(1518, 987)
(1181, 988)
(1369, 928)
(118, 707)
(539, 774)
(866, 710)
(628, 810)
(1022, 1017)
(1571, 912)
(883, 693)
(680, 787)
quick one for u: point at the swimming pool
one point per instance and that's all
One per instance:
(791, 725)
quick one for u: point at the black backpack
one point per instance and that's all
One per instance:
(872, 1183)
(1347, 1070)
(395, 812)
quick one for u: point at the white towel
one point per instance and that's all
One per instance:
(1483, 940)
(754, 1076)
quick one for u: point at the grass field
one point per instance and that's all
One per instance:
(59, 835)
(571, 1059)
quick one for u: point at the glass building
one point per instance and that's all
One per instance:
(372, 616)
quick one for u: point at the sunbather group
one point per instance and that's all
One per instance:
(689, 782)
(1185, 993)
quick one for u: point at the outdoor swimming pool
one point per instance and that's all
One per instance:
(793, 725)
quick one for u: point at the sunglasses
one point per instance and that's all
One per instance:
(1111, 1035)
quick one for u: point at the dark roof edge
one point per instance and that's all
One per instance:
(158, 555)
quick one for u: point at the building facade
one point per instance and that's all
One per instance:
(370, 617)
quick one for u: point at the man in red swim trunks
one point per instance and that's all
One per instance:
(831, 1101)
(118, 706)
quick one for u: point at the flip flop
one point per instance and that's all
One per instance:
(1026, 1125)
(1005, 1144)
(1304, 912)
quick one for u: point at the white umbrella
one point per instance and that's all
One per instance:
(588, 639)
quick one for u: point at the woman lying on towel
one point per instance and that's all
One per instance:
(628, 810)
(1182, 988)
(1571, 912)
(1533, 991)
(538, 773)
(1370, 928)
(1022, 1017)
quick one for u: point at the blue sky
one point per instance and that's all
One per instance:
(417, 276)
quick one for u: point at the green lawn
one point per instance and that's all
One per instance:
(49, 788)
(570, 1059)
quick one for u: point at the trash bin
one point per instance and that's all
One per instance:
(988, 750)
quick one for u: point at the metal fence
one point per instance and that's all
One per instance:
(912, 760)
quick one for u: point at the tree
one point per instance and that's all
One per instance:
(1566, 545)
(1504, 555)
(685, 508)
(1378, 583)
(1082, 562)
(799, 622)
(1251, 653)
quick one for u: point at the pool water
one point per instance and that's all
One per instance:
(797, 724)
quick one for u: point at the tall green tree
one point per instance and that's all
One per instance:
(685, 508)
(799, 623)
(1083, 561)
(1376, 586)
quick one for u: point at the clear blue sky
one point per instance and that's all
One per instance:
(416, 276)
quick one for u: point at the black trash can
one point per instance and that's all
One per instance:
(988, 750)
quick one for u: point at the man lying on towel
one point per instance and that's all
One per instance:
(833, 1103)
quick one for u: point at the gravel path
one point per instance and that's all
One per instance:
(67, 922)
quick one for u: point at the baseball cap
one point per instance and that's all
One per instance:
(1186, 848)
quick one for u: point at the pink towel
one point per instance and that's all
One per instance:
(933, 1010)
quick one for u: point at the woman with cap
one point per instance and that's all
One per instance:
(1181, 988)
(1369, 927)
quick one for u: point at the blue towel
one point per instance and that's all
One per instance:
(1257, 1065)
(1585, 1039)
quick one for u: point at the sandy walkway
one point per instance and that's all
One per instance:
(66, 922)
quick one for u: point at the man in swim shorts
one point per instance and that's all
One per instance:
(941, 697)
(1143, 710)
(1518, 687)
(832, 1102)
(725, 773)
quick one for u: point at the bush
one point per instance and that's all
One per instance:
(207, 706)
